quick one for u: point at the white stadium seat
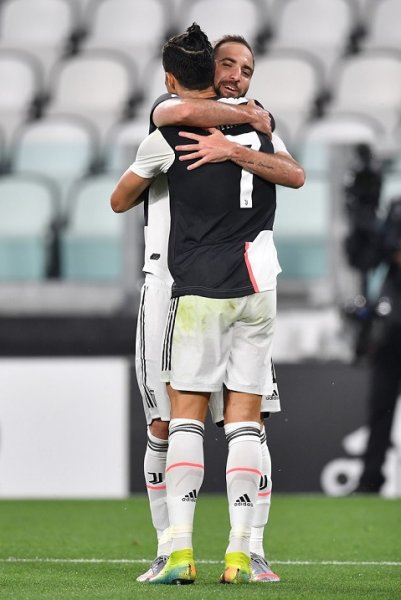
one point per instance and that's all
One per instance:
(28, 204)
(61, 147)
(20, 79)
(92, 241)
(41, 27)
(96, 85)
(322, 28)
(135, 28)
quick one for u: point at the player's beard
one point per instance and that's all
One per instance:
(228, 89)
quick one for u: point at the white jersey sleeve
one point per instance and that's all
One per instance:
(154, 156)
(278, 144)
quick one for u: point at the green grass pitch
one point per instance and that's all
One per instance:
(323, 548)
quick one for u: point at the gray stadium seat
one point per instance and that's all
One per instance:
(345, 128)
(301, 229)
(287, 83)
(41, 27)
(20, 79)
(369, 83)
(383, 30)
(244, 17)
(61, 147)
(136, 28)
(91, 246)
(27, 207)
(96, 85)
(122, 143)
(322, 28)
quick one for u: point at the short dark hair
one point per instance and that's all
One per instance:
(233, 39)
(189, 57)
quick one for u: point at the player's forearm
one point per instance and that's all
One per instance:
(278, 168)
(202, 113)
(128, 192)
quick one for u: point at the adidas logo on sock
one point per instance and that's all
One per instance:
(191, 497)
(243, 501)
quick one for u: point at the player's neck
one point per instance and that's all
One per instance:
(207, 93)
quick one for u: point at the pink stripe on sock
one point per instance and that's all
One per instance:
(244, 469)
(154, 487)
(264, 494)
(184, 464)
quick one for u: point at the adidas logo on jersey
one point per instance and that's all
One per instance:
(191, 497)
(243, 501)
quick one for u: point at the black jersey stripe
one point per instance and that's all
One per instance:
(168, 336)
(148, 392)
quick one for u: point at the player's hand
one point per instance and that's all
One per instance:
(208, 148)
(261, 120)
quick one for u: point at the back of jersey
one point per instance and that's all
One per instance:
(217, 210)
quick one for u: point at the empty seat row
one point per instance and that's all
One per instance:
(54, 29)
(101, 86)
(88, 238)
(86, 242)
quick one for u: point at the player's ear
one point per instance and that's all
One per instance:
(171, 83)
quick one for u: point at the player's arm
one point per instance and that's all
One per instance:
(205, 113)
(128, 190)
(279, 168)
(154, 156)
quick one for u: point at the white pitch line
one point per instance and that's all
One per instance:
(345, 563)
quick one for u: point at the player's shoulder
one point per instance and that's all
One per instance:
(163, 98)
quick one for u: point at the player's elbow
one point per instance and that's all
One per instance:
(298, 177)
(116, 202)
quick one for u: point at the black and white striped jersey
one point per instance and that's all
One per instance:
(221, 243)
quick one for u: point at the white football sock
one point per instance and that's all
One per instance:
(184, 477)
(243, 477)
(261, 515)
(154, 469)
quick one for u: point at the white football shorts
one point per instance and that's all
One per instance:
(151, 320)
(212, 342)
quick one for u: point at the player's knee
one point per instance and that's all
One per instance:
(159, 429)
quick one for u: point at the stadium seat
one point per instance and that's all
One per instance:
(96, 85)
(322, 28)
(301, 229)
(122, 143)
(28, 205)
(369, 83)
(64, 148)
(136, 28)
(383, 29)
(245, 17)
(154, 87)
(20, 79)
(42, 27)
(91, 246)
(347, 128)
(287, 83)
(317, 137)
